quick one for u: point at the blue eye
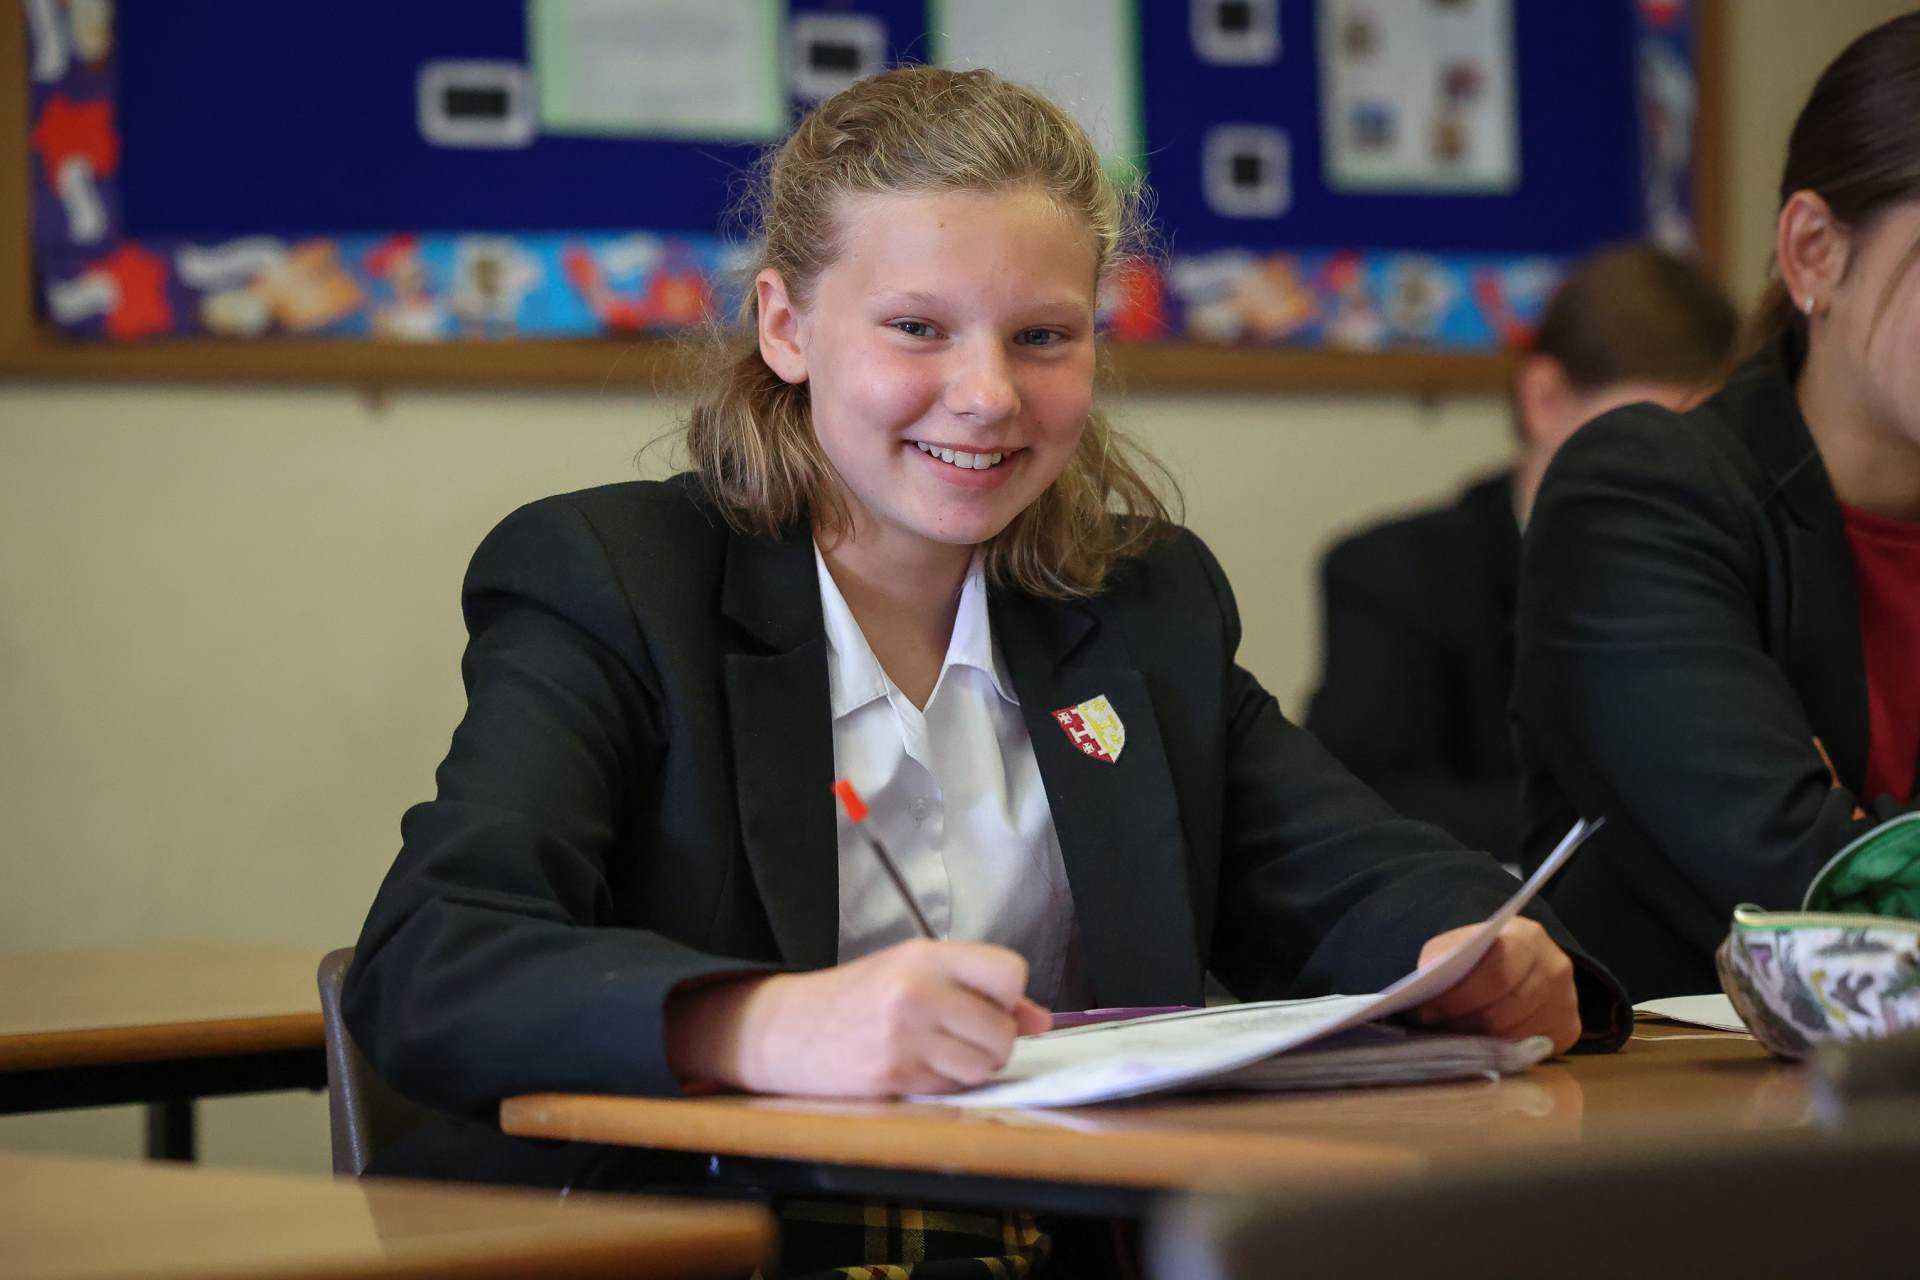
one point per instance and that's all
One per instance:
(914, 328)
(1040, 337)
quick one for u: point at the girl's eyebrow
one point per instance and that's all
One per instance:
(911, 298)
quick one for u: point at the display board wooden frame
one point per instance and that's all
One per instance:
(31, 349)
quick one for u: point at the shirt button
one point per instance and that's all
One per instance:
(919, 808)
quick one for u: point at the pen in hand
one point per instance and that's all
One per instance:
(1025, 1011)
(856, 810)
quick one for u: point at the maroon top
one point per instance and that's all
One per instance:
(1886, 557)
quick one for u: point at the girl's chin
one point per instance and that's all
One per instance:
(964, 528)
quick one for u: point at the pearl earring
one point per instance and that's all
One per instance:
(1806, 306)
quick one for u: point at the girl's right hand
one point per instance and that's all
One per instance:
(916, 1017)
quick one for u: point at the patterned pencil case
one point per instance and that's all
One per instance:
(1844, 967)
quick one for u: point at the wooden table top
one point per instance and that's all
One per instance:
(141, 1004)
(71, 1219)
(1667, 1079)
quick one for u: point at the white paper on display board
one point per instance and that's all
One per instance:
(1419, 96)
(660, 68)
(1084, 54)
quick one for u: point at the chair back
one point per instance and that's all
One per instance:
(1798, 1202)
(363, 1110)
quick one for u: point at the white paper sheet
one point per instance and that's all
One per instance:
(1103, 1061)
(1715, 1011)
(1081, 53)
(660, 68)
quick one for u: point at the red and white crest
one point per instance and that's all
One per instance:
(1094, 727)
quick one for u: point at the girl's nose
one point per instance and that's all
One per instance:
(981, 387)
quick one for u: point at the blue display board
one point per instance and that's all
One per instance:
(266, 170)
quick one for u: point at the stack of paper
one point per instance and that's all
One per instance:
(1207, 1047)
(1377, 1055)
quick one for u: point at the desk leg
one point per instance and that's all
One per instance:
(170, 1130)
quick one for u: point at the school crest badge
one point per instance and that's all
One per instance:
(1094, 727)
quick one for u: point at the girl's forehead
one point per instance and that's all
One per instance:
(1013, 243)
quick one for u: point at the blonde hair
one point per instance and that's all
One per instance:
(920, 130)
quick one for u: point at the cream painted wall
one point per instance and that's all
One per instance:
(229, 636)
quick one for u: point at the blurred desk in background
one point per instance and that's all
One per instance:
(71, 1218)
(160, 1025)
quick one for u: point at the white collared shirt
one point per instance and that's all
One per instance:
(954, 794)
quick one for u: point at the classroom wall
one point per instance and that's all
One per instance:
(229, 629)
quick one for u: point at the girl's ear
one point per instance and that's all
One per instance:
(1541, 398)
(1812, 248)
(782, 343)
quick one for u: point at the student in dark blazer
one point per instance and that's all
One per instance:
(1720, 611)
(898, 558)
(638, 799)
(1417, 643)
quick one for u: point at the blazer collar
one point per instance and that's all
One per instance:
(1822, 642)
(781, 721)
(1765, 411)
(769, 590)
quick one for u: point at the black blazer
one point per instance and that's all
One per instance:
(1687, 627)
(639, 795)
(1418, 663)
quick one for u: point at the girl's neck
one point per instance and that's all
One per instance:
(1873, 467)
(904, 597)
(1528, 470)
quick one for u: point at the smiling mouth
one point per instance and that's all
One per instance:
(960, 458)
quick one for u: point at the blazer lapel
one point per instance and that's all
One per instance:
(782, 723)
(1119, 823)
(1823, 656)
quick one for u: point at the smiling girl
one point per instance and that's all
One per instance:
(913, 553)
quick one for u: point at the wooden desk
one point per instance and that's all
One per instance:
(72, 1218)
(160, 1025)
(1114, 1158)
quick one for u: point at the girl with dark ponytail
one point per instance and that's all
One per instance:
(1720, 610)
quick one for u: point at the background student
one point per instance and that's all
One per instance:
(1720, 612)
(1418, 626)
(895, 561)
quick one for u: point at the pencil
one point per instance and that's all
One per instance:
(856, 810)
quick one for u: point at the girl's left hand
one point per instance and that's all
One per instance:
(1522, 987)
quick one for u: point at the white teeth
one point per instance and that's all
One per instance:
(960, 458)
